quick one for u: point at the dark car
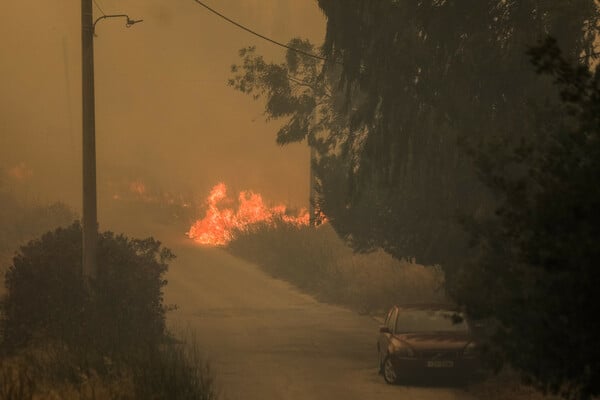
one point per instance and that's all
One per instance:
(426, 342)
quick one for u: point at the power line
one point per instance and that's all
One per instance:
(99, 8)
(258, 34)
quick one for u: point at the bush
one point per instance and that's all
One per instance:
(47, 299)
(62, 340)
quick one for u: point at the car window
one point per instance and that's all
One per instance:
(415, 321)
(391, 323)
(388, 316)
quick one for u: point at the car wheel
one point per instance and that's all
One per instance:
(379, 362)
(389, 371)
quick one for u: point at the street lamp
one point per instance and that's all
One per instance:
(128, 24)
(90, 218)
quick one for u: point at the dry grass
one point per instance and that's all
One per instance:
(318, 262)
(175, 371)
(372, 282)
(50, 374)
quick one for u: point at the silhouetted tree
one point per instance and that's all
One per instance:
(409, 86)
(47, 299)
(428, 114)
(535, 271)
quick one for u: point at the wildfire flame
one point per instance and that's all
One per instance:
(137, 187)
(138, 191)
(219, 226)
(20, 172)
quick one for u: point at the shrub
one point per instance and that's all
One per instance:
(47, 299)
(62, 340)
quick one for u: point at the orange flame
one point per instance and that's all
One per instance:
(219, 226)
(137, 187)
(20, 172)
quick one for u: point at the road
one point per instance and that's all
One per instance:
(266, 340)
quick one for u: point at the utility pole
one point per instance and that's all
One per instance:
(90, 218)
(311, 189)
(90, 213)
(312, 196)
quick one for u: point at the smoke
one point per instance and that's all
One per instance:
(164, 114)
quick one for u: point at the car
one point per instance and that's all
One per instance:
(427, 342)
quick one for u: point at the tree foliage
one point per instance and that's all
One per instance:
(535, 270)
(434, 74)
(428, 117)
(294, 90)
(47, 299)
(409, 87)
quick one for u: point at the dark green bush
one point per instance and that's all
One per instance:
(47, 299)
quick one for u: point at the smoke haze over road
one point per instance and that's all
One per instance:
(164, 113)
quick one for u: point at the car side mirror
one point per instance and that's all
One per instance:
(384, 329)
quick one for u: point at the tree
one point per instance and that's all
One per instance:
(300, 92)
(47, 298)
(434, 119)
(536, 258)
(429, 80)
(409, 86)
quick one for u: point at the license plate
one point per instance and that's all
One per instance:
(440, 364)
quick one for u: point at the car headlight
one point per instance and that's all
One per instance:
(405, 351)
(470, 350)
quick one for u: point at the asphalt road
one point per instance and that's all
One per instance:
(266, 340)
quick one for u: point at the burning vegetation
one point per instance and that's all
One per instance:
(20, 172)
(220, 225)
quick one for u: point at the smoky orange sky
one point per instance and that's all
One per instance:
(164, 113)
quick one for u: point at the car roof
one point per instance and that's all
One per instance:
(428, 306)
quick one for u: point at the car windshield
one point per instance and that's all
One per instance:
(419, 321)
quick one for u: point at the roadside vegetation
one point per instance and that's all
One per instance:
(172, 371)
(62, 338)
(532, 269)
(507, 385)
(318, 262)
(434, 137)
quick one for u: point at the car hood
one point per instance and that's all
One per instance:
(435, 340)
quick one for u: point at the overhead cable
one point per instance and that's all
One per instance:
(258, 34)
(99, 8)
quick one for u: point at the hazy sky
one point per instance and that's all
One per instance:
(164, 113)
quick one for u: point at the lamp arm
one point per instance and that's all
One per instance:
(128, 24)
